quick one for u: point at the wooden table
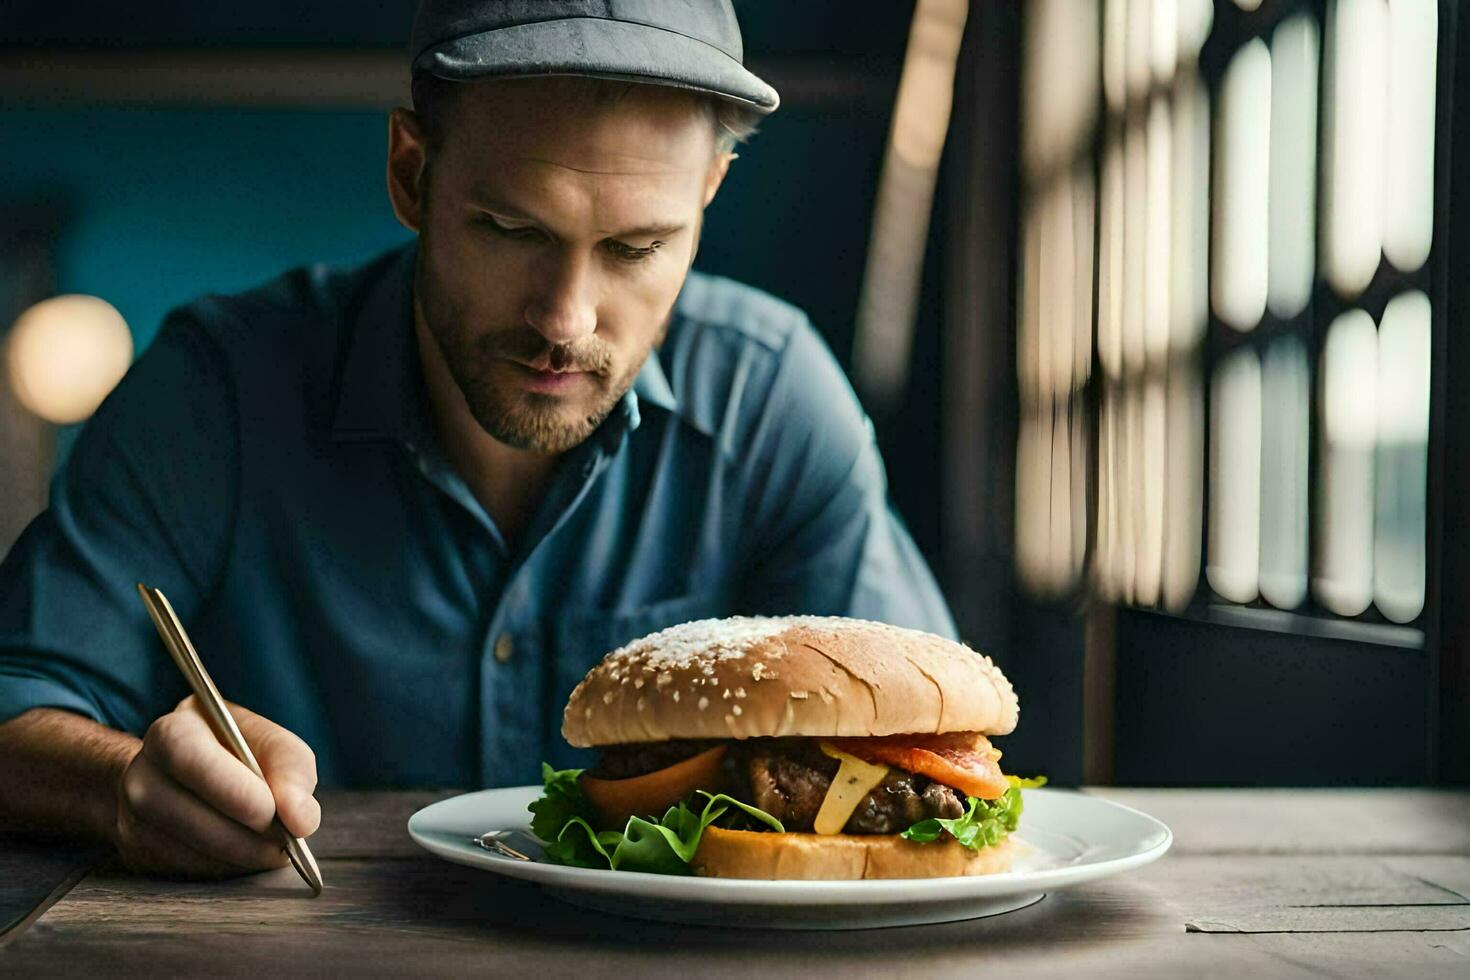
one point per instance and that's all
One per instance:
(1259, 882)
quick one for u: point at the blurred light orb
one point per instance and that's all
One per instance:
(65, 354)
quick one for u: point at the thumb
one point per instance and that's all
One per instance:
(289, 766)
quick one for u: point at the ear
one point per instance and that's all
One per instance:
(718, 168)
(407, 154)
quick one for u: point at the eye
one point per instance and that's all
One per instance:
(630, 253)
(523, 234)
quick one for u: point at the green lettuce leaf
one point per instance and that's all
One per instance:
(563, 817)
(984, 822)
(744, 816)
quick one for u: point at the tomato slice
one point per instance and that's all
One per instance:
(964, 760)
(652, 793)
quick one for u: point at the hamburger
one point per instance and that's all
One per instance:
(787, 748)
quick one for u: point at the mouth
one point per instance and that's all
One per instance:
(546, 381)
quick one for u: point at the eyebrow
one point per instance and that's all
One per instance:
(657, 230)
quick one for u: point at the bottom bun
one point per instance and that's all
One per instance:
(840, 857)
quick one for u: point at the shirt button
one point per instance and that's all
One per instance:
(504, 648)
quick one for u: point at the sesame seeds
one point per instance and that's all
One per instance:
(609, 696)
(726, 695)
(740, 692)
(703, 642)
(759, 671)
(736, 710)
(664, 680)
(676, 695)
(801, 695)
(703, 703)
(638, 684)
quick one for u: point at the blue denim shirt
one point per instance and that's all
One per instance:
(269, 464)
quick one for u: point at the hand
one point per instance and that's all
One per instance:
(186, 805)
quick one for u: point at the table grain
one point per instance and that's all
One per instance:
(1258, 883)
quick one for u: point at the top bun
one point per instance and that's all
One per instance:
(806, 675)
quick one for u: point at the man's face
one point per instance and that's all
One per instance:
(556, 230)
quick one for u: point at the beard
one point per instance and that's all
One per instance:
(481, 363)
(539, 422)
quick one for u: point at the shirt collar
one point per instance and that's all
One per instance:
(652, 385)
(380, 387)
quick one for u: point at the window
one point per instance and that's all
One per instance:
(1229, 353)
(1245, 569)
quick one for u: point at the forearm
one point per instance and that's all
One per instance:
(59, 774)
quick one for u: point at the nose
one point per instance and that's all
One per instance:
(563, 306)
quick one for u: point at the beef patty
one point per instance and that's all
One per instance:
(789, 777)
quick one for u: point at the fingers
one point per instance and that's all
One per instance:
(156, 801)
(299, 812)
(290, 769)
(182, 745)
(185, 794)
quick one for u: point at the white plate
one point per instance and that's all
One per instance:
(1072, 838)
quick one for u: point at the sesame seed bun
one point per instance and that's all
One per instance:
(801, 676)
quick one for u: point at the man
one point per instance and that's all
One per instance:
(404, 507)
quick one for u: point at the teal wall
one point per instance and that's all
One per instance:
(161, 205)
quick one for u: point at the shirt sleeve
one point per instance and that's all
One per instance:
(146, 495)
(823, 536)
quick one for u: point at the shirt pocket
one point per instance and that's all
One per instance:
(582, 636)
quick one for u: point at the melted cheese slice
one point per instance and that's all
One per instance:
(854, 780)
